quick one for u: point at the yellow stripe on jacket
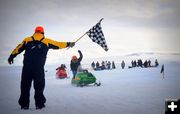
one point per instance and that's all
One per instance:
(51, 44)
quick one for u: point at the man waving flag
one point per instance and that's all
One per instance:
(96, 34)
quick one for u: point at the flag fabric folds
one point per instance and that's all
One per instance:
(97, 36)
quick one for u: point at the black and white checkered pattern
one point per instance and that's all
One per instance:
(97, 36)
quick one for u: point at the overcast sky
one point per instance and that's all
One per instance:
(129, 26)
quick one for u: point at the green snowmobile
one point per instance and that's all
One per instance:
(84, 78)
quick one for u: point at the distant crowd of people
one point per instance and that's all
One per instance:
(107, 65)
(104, 65)
(145, 64)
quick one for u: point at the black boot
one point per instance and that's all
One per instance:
(40, 107)
(24, 107)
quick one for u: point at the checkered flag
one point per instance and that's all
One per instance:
(97, 35)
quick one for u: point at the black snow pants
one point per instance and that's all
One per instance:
(35, 74)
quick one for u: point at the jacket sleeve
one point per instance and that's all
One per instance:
(81, 56)
(20, 48)
(52, 44)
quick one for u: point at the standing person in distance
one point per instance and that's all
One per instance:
(75, 63)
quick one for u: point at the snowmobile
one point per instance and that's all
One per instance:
(84, 79)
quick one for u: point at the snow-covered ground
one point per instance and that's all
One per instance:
(128, 91)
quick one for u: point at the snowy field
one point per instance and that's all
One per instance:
(128, 91)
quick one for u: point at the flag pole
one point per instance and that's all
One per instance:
(163, 75)
(80, 37)
(162, 71)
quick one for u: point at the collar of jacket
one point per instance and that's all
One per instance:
(38, 36)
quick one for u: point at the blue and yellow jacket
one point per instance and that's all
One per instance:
(36, 48)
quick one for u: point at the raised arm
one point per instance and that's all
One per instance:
(80, 54)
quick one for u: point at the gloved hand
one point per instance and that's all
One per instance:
(10, 60)
(71, 44)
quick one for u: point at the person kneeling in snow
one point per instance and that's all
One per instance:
(36, 48)
(76, 63)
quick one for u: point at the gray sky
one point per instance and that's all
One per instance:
(129, 26)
